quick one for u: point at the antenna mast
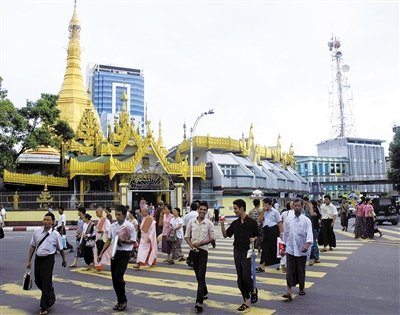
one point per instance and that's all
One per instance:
(339, 94)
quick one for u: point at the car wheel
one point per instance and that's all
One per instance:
(394, 222)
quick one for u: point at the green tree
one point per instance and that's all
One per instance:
(394, 158)
(36, 124)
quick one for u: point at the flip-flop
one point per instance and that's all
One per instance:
(254, 296)
(243, 307)
(258, 269)
(302, 293)
(287, 296)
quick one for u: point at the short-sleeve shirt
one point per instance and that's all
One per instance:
(50, 245)
(200, 231)
(242, 232)
(175, 222)
(271, 217)
(124, 231)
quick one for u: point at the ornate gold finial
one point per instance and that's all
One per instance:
(45, 198)
(124, 99)
(160, 141)
(184, 130)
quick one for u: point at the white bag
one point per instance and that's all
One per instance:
(279, 247)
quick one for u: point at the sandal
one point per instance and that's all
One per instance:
(287, 296)
(254, 296)
(302, 292)
(243, 307)
(171, 262)
(258, 269)
(43, 312)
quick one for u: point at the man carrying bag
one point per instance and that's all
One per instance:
(45, 242)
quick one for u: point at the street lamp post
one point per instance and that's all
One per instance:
(192, 130)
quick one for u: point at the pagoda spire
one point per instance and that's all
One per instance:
(73, 99)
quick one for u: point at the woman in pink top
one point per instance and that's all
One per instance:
(369, 219)
(165, 245)
(359, 225)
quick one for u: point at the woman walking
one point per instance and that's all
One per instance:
(369, 219)
(254, 214)
(165, 245)
(176, 246)
(88, 240)
(344, 214)
(359, 225)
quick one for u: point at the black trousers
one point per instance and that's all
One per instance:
(44, 266)
(243, 271)
(118, 267)
(200, 268)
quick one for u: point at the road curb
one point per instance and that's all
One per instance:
(30, 228)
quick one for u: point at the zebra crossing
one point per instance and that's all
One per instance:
(171, 289)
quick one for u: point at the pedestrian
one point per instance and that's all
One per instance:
(142, 203)
(126, 237)
(344, 214)
(188, 217)
(199, 233)
(165, 245)
(88, 241)
(78, 236)
(272, 229)
(176, 246)
(369, 219)
(288, 211)
(150, 209)
(61, 228)
(254, 214)
(158, 216)
(217, 207)
(147, 251)
(328, 218)
(108, 214)
(46, 241)
(102, 232)
(245, 231)
(315, 217)
(3, 213)
(297, 238)
(359, 226)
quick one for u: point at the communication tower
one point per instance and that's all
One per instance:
(340, 95)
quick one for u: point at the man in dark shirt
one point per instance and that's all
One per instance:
(245, 231)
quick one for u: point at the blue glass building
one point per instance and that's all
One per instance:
(107, 83)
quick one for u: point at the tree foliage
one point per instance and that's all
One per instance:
(36, 124)
(394, 158)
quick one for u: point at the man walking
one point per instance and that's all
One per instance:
(46, 242)
(245, 231)
(328, 218)
(126, 237)
(298, 237)
(61, 228)
(199, 233)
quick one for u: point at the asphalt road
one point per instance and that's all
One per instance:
(358, 277)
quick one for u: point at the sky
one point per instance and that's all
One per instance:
(265, 63)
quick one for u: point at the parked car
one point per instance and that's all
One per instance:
(386, 210)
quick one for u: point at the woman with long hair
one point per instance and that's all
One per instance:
(315, 217)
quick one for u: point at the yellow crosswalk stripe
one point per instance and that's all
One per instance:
(341, 252)
(341, 258)
(5, 309)
(185, 285)
(222, 276)
(324, 264)
(390, 238)
(396, 232)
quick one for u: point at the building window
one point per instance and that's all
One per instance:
(228, 170)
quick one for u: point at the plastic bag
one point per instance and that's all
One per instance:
(280, 248)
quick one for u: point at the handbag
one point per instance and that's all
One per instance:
(27, 280)
(90, 243)
(99, 245)
(171, 237)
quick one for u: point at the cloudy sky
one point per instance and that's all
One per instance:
(260, 62)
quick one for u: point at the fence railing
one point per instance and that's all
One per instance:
(28, 200)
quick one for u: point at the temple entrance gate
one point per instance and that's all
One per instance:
(153, 186)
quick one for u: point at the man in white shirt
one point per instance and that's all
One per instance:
(3, 214)
(328, 217)
(61, 227)
(199, 233)
(297, 237)
(46, 242)
(125, 232)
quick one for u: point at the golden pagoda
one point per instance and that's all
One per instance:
(127, 162)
